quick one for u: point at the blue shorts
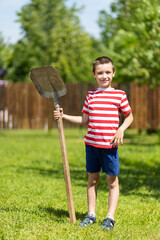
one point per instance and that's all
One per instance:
(107, 159)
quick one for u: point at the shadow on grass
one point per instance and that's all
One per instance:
(42, 171)
(58, 173)
(133, 177)
(140, 177)
(59, 213)
(137, 179)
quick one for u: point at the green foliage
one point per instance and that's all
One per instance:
(5, 53)
(52, 36)
(133, 35)
(33, 202)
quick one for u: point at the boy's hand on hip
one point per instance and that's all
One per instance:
(118, 138)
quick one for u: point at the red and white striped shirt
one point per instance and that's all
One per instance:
(104, 107)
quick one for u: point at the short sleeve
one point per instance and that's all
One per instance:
(124, 106)
(85, 108)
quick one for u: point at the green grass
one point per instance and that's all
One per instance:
(33, 203)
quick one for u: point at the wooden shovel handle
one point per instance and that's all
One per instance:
(66, 169)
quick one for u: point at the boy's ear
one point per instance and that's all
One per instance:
(114, 74)
(93, 74)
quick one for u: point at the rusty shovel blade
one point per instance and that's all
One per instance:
(48, 82)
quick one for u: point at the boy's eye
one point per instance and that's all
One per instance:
(100, 73)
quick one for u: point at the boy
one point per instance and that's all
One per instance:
(101, 112)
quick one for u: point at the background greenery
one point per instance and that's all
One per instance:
(33, 203)
(53, 35)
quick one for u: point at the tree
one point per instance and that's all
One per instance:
(133, 38)
(52, 35)
(5, 53)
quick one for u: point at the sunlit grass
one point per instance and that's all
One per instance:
(33, 203)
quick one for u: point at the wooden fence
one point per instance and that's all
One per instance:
(145, 104)
(22, 107)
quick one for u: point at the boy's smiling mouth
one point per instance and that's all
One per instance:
(104, 80)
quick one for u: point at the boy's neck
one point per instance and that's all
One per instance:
(107, 88)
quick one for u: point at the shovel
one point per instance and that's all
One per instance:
(50, 85)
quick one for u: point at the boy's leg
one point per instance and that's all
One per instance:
(113, 185)
(93, 180)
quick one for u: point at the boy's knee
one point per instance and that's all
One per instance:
(112, 181)
(93, 179)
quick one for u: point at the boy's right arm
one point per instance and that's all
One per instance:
(84, 119)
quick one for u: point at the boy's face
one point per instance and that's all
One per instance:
(104, 74)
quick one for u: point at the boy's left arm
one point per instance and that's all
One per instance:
(118, 137)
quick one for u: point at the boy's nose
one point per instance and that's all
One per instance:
(104, 75)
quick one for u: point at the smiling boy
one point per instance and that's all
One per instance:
(101, 111)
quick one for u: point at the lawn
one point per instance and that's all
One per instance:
(33, 203)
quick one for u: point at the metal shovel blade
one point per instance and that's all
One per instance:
(48, 82)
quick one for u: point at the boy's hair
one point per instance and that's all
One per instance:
(102, 60)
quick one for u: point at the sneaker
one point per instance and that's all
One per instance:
(87, 220)
(108, 224)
